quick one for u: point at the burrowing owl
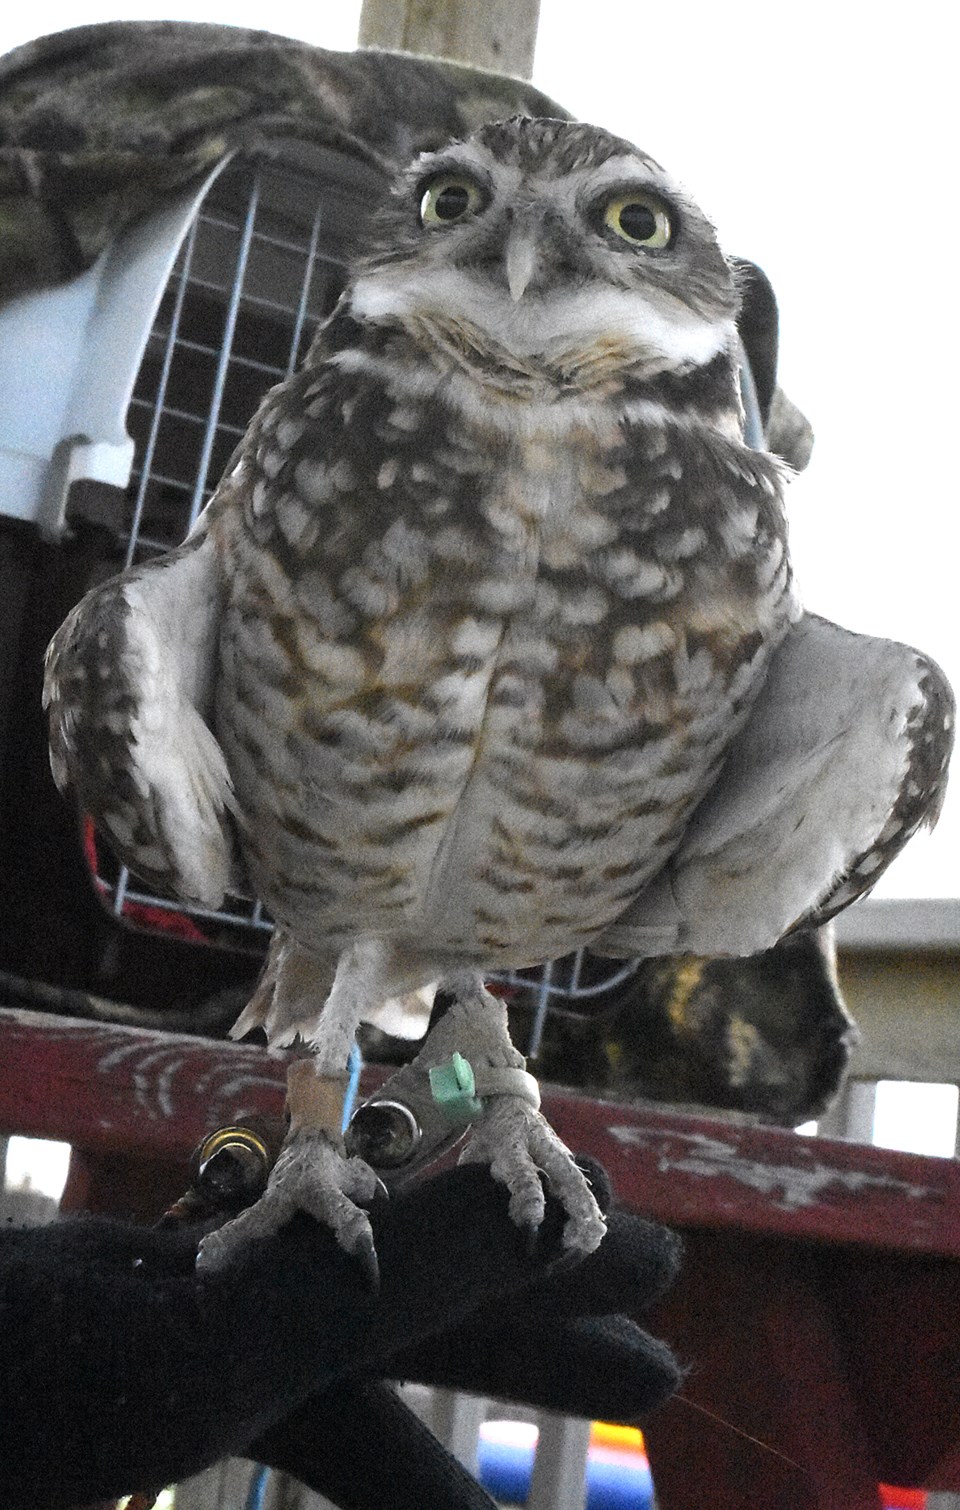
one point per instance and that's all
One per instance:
(464, 636)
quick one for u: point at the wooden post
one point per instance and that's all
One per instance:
(499, 34)
(905, 1003)
(559, 1480)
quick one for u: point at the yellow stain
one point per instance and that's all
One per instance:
(687, 979)
(613, 1054)
(743, 1040)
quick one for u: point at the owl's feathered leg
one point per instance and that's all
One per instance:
(512, 1136)
(313, 1173)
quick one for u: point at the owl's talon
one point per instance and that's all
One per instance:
(264, 1218)
(519, 1145)
(364, 1251)
(311, 1175)
(531, 1234)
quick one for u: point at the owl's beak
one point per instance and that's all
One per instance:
(521, 257)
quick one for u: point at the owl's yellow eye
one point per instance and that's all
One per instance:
(640, 219)
(448, 199)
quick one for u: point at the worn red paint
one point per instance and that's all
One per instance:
(817, 1303)
(153, 1095)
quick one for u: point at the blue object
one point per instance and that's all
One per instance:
(354, 1066)
(505, 1471)
(615, 1481)
(258, 1488)
(619, 1483)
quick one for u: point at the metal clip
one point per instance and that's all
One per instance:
(414, 1118)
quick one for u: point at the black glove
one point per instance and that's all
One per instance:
(556, 1341)
(122, 1368)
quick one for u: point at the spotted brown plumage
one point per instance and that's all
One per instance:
(507, 711)
(489, 594)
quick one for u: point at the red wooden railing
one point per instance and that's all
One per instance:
(819, 1303)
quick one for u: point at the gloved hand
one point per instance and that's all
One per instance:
(556, 1340)
(121, 1367)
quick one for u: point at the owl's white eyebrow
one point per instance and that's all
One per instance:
(460, 162)
(626, 171)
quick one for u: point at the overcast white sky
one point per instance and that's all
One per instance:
(823, 146)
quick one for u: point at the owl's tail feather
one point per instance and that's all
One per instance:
(289, 996)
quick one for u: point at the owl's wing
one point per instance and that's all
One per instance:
(843, 757)
(128, 685)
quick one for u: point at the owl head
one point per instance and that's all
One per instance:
(545, 237)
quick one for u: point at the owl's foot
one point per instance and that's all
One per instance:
(518, 1143)
(312, 1174)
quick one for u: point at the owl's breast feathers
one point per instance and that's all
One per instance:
(480, 658)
